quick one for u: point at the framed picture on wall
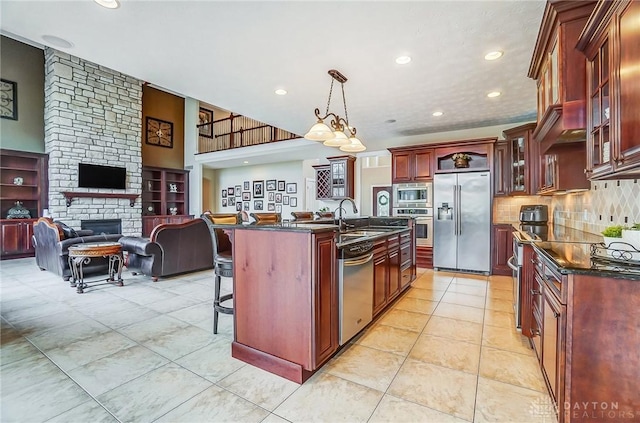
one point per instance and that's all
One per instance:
(292, 188)
(246, 196)
(224, 202)
(293, 201)
(272, 196)
(271, 185)
(231, 201)
(278, 197)
(281, 185)
(239, 206)
(278, 208)
(159, 132)
(285, 200)
(8, 99)
(257, 204)
(205, 125)
(271, 207)
(224, 193)
(246, 206)
(246, 186)
(258, 189)
(238, 190)
(230, 192)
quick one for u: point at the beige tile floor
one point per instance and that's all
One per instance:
(446, 351)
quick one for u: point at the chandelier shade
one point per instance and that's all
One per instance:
(319, 132)
(354, 146)
(338, 140)
(340, 133)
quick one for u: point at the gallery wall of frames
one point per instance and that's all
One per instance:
(262, 195)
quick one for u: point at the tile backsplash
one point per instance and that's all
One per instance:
(607, 203)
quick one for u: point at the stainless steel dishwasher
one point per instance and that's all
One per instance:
(355, 291)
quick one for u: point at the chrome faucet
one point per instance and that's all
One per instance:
(340, 209)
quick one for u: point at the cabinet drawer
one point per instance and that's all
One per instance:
(405, 254)
(536, 294)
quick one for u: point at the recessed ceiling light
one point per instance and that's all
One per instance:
(436, 114)
(493, 55)
(281, 91)
(109, 4)
(403, 60)
(493, 94)
(245, 162)
(57, 41)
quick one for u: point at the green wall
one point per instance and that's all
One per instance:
(24, 65)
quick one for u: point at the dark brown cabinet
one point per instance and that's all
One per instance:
(165, 197)
(286, 319)
(411, 164)
(502, 249)
(559, 71)
(583, 337)
(23, 178)
(392, 269)
(335, 181)
(564, 170)
(501, 175)
(15, 237)
(611, 43)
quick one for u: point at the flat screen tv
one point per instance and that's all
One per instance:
(96, 176)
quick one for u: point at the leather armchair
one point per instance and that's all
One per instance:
(172, 248)
(52, 248)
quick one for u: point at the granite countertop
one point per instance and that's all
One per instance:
(555, 233)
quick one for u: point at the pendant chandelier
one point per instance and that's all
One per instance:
(335, 135)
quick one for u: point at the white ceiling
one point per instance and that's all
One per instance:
(234, 54)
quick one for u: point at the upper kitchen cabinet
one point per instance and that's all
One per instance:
(335, 181)
(559, 70)
(611, 43)
(517, 162)
(410, 164)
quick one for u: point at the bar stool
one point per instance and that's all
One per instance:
(222, 259)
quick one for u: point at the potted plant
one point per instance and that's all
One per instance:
(612, 234)
(631, 236)
(461, 160)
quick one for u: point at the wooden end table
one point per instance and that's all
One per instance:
(81, 254)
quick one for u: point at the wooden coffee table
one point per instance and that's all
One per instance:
(82, 254)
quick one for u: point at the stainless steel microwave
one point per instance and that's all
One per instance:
(413, 195)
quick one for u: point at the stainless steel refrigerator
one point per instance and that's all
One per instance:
(462, 221)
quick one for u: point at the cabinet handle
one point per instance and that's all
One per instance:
(534, 292)
(535, 332)
(533, 261)
(556, 314)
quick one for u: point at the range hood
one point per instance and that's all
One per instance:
(562, 124)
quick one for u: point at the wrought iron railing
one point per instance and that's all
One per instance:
(238, 131)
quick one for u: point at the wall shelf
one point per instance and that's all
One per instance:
(69, 196)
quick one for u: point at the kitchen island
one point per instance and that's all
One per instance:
(581, 311)
(286, 290)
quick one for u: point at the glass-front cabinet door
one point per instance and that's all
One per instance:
(518, 170)
(338, 176)
(600, 151)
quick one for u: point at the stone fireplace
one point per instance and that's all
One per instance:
(93, 115)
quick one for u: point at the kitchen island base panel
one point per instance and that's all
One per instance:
(286, 369)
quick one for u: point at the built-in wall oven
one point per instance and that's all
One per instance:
(423, 224)
(416, 200)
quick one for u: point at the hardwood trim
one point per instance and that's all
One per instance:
(69, 196)
(286, 369)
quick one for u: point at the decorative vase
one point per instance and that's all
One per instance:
(460, 162)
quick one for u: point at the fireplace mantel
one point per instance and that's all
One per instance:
(70, 195)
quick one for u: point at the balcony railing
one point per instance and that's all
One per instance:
(238, 131)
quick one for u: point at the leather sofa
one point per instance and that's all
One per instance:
(171, 249)
(52, 240)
